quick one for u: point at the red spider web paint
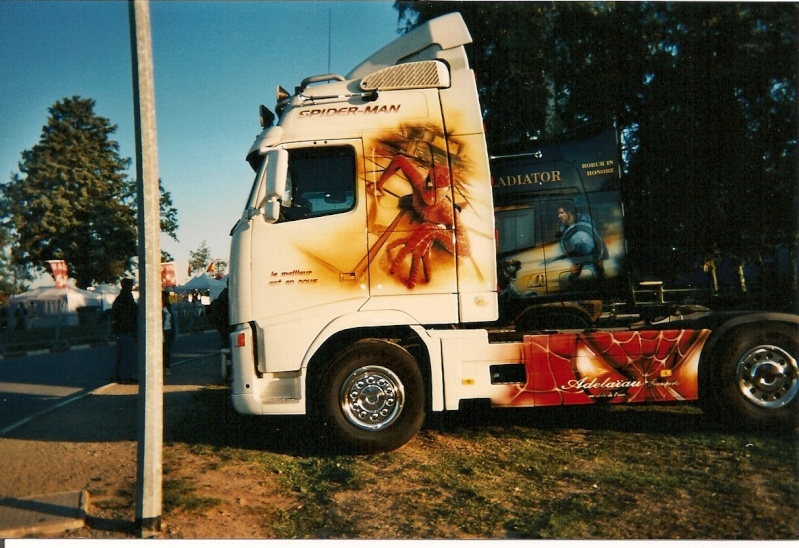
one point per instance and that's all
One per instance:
(609, 367)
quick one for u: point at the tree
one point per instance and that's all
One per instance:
(169, 214)
(12, 278)
(199, 259)
(509, 54)
(533, 60)
(716, 133)
(169, 220)
(220, 267)
(72, 199)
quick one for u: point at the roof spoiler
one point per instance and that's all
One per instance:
(422, 43)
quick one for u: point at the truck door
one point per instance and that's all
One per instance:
(411, 226)
(305, 260)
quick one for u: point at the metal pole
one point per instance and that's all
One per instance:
(151, 380)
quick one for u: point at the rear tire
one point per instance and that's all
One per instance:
(373, 396)
(756, 377)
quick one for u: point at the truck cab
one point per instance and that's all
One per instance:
(370, 207)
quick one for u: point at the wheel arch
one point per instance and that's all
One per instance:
(558, 315)
(333, 341)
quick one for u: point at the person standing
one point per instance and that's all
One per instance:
(218, 315)
(170, 328)
(125, 324)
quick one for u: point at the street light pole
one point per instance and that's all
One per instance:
(150, 418)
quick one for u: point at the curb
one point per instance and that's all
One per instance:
(43, 514)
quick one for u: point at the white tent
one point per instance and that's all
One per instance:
(107, 293)
(50, 306)
(203, 283)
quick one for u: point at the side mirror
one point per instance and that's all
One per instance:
(276, 172)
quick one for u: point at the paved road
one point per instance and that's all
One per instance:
(30, 385)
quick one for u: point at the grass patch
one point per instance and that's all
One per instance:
(182, 494)
(620, 473)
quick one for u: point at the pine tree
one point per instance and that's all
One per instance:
(72, 199)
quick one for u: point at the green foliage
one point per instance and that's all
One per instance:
(12, 278)
(199, 258)
(704, 95)
(73, 201)
(169, 215)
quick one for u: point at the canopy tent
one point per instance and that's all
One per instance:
(203, 283)
(107, 293)
(49, 306)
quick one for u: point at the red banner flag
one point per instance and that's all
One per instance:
(60, 272)
(169, 277)
(211, 268)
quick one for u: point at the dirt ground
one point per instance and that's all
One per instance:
(91, 445)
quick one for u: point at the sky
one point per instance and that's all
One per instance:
(214, 63)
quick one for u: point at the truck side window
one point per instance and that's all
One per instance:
(516, 228)
(321, 181)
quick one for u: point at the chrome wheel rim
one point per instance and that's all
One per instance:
(768, 376)
(372, 398)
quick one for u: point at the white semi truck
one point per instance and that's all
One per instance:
(363, 273)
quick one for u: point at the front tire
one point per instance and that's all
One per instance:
(373, 396)
(757, 378)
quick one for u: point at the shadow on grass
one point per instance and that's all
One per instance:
(653, 419)
(678, 418)
(215, 423)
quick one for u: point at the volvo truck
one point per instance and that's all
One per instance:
(368, 267)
